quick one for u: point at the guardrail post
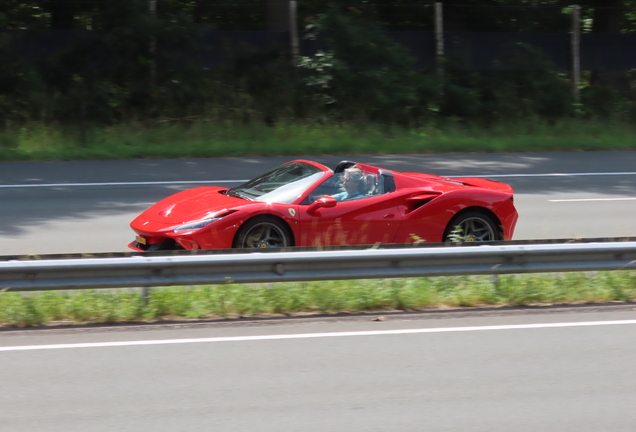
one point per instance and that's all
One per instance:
(145, 295)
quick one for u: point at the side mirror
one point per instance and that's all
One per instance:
(324, 202)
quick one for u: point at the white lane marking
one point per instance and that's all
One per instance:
(242, 181)
(592, 199)
(312, 335)
(555, 175)
(119, 183)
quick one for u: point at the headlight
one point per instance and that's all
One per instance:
(195, 225)
(202, 223)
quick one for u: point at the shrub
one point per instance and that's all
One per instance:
(523, 85)
(364, 74)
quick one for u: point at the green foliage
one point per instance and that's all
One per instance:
(606, 103)
(141, 68)
(364, 74)
(21, 87)
(456, 236)
(117, 74)
(111, 74)
(36, 141)
(327, 297)
(259, 85)
(523, 85)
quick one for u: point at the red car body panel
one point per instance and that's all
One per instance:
(369, 221)
(419, 208)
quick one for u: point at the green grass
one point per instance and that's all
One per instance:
(232, 301)
(201, 139)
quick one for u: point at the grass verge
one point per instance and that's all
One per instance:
(201, 139)
(284, 299)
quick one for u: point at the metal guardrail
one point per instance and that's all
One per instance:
(150, 271)
(65, 256)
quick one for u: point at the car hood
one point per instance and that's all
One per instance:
(191, 205)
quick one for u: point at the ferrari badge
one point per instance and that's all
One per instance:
(292, 212)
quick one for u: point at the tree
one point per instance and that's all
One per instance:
(609, 17)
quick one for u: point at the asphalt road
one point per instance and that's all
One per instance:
(435, 372)
(86, 206)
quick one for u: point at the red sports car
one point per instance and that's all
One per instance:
(303, 203)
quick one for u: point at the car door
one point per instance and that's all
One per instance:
(369, 220)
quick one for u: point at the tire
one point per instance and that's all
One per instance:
(263, 233)
(475, 226)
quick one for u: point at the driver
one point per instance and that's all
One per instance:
(353, 182)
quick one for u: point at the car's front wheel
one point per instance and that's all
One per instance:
(262, 233)
(472, 226)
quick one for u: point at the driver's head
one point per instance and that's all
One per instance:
(352, 179)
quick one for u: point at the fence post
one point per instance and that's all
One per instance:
(293, 30)
(576, 53)
(439, 46)
(439, 30)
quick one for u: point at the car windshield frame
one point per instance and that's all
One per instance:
(283, 184)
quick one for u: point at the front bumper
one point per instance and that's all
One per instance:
(167, 244)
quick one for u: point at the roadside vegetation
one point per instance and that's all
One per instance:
(134, 86)
(105, 94)
(200, 139)
(219, 302)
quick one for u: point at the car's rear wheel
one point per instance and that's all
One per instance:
(263, 233)
(472, 226)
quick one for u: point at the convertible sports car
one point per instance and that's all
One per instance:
(303, 203)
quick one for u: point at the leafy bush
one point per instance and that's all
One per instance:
(116, 75)
(523, 85)
(364, 74)
(606, 103)
(113, 75)
(21, 87)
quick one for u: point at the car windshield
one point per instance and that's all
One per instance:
(281, 185)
